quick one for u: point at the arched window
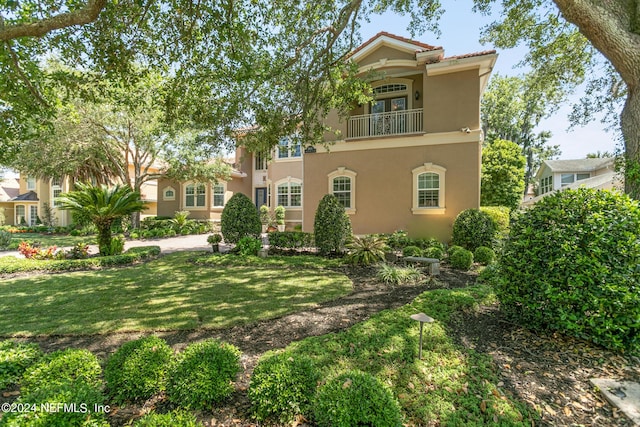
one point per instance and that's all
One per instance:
(195, 195)
(428, 189)
(342, 184)
(169, 193)
(289, 193)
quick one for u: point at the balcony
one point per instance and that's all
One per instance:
(386, 124)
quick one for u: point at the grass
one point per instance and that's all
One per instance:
(450, 386)
(170, 293)
(46, 240)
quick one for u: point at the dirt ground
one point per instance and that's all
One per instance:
(549, 372)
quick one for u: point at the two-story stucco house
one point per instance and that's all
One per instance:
(408, 160)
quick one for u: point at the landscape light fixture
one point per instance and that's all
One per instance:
(422, 318)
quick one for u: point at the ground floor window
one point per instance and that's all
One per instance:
(218, 195)
(21, 215)
(289, 194)
(195, 195)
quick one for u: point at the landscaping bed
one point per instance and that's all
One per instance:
(548, 372)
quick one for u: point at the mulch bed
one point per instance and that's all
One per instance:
(549, 372)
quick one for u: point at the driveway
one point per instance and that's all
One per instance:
(194, 242)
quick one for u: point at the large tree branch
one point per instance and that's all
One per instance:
(82, 16)
(15, 62)
(609, 29)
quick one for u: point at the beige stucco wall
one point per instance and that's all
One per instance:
(385, 52)
(452, 101)
(384, 186)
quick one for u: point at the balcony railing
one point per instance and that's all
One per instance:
(385, 124)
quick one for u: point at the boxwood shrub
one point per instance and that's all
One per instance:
(473, 228)
(170, 419)
(15, 358)
(356, 399)
(69, 367)
(282, 387)
(461, 259)
(290, 240)
(571, 264)
(138, 369)
(411, 251)
(239, 218)
(484, 255)
(331, 226)
(204, 374)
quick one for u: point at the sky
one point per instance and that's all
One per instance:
(460, 33)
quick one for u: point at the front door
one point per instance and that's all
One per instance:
(261, 196)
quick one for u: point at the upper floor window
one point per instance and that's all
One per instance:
(288, 149)
(395, 87)
(546, 184)
(428, 189)
(260, 161)
(168, 194)
(289, 193)
(342, 184)
(56, 190)
(31, 184)
(570, 178)
(218, 195)
(195, 195)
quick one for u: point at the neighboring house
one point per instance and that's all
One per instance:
(29, 195)
(9, 188)
(409, 160)
(553, 175)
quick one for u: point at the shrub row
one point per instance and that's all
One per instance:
(15, 358)
(11, 265)
(291, 240)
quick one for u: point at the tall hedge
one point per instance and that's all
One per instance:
(571, 264)
(473, 228)
(240, 218)
(332, 226)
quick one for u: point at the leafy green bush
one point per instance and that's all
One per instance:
(394, 275)
(356, 398)
(70, 366)
(282, 387)
(5, 240)
(366, 250)
(332, 226)
(461, 259)
(473, 228)
(170, 419)
(15, 358)
(138, 369)
(501, 216)
(434, 252)
(204, 374)
(117, 245)
(239, 218)
(484, 255)
(290, 240)
(279, 213)
(60, 404)
(398, 240)
(453, 249)
(411, 251)
(249, 246)
(571, 264)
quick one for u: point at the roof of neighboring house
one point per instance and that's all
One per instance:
(9, 188)
(578, 165)
(29, 196)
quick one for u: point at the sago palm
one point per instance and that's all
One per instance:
(102, 205)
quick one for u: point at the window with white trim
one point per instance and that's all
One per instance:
(546, 184)
(289, 194)
(289, 148)
(169, 193)
(31, 183)
(428, 189)
(56, 190)
(195, 195)
(218, 191)
(33, 214)
(342, 184)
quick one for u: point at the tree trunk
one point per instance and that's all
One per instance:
(104, 238)
(630, 125)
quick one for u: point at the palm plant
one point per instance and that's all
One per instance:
(102, 205)
(366, 250)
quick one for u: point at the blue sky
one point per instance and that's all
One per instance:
(460, 32)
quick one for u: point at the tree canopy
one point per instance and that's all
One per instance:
(502, 181)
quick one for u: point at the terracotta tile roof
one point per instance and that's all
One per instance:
(424, 47)
(471, 55)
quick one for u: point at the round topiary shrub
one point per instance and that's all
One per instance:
(473, 228)
(571, 264)
(411, 251)
(356, 399)
(332, 226)
(15, 358)
(138, 369)
(204, 374)
(239, 218)
(282, 387)
(484, 255)
(453, 249)
(461, 259)
(433, 252)
(69, 366)
(170, 419)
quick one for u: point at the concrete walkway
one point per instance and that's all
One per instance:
(194, 242)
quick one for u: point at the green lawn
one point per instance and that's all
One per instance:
(46, 240)
(169, 293)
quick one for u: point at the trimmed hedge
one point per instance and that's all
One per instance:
(15, 358)
(11, 265)
(571, 265)
(331, 226)
(290, 240)
(240, 218)
(71, 366)
(170, 419)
